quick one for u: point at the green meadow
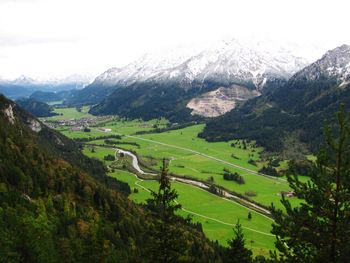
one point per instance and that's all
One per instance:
(70, 113)
(216, 215)
(194, 157)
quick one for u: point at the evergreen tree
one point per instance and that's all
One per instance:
(167, 244)
(250, 215)
(237, 252)
(318, 230)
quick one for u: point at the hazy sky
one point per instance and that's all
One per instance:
(48, 38)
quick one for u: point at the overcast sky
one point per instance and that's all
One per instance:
(54, 38)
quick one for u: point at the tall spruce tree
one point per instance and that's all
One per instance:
(318, 230)
(237, 252)
(167, 241)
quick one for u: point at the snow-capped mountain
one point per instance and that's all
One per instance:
(334, 63)
(227, 62)
(298, 108)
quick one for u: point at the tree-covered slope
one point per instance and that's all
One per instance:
(55, 206)
(37, 108)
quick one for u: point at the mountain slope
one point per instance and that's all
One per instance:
(54, 206)
(254, 66)
(37, 108)
(299, 107)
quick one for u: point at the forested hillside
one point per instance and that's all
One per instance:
(53, 209)
(37, 108)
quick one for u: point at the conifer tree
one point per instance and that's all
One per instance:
(167, 244)
(237, 252)
(318, 230)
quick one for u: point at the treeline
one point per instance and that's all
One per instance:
(171, 127)
(89, 139)
(113, 142)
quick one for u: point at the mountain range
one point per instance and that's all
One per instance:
(147, 86)
(296, 109)
(24, 86)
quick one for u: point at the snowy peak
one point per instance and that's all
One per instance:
(334, 64)
(226, 62)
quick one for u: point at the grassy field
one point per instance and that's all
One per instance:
(216, 215)
(196, 158)
(70, 113)
(132, 126)
(98, 153)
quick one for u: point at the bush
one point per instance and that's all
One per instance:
(109, 157)
(233, 177)
(252, 162)
(269, 170)
(250, 193)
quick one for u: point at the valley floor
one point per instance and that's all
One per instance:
(193, 158)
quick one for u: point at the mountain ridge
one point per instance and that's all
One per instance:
(230, 57)
(253, 66)
(298, 108)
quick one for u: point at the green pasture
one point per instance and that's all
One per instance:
(192, 156)
(70, 113)
(216, 215)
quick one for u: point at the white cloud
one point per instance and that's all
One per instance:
(61, 37)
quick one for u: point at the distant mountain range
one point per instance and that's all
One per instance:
(258, 90)
(25, 86)
(298, 108)
(147, 86)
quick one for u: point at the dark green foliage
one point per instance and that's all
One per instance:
(170, 127)
(167, 240)
(233, 176)
(150, 101)
(250, 215)
(109, 157)
(89, 139)
(298, 107)
(237, 252)
(52, 210)
(269, 170)
(37, 108)
(299, 167)
(318, 230)
(114, 142)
